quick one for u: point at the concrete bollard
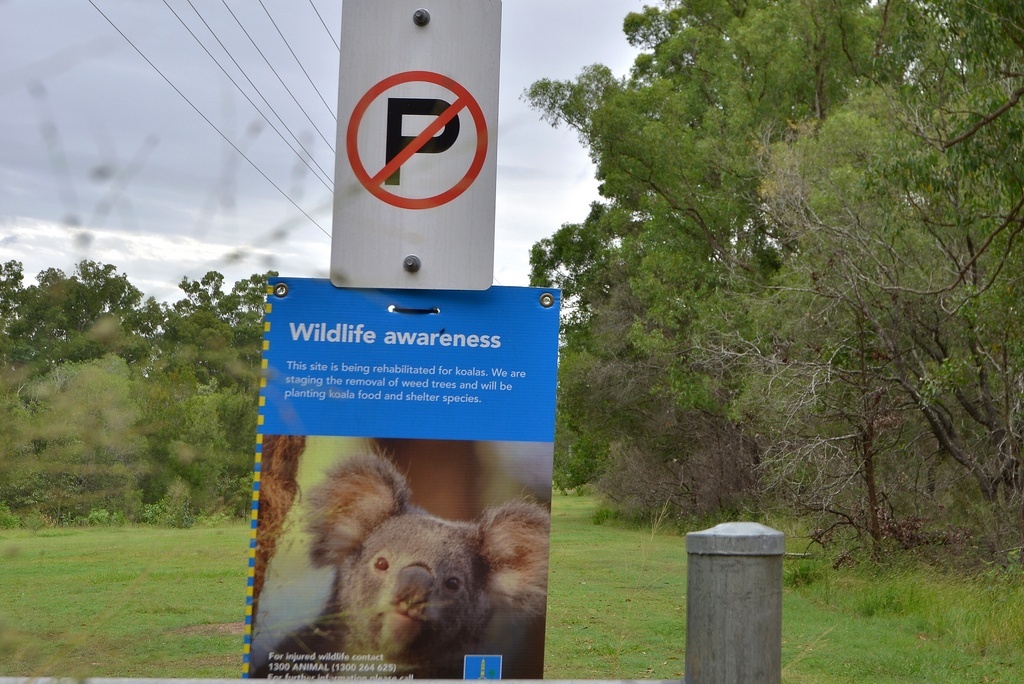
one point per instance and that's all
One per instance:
(734, 605)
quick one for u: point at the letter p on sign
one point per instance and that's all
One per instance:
(415, 173)
(398, 109)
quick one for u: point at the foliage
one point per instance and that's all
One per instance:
(171, 511)
(8, 520)
(120, 409)
(802, 287)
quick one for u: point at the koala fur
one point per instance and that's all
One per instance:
(415, 588)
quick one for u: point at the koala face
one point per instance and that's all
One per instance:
(414, 588)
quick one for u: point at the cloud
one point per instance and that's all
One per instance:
(95, 136)
(153, 262)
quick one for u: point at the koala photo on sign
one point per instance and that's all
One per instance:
(400, 558)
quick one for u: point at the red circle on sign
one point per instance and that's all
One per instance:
(464, 100)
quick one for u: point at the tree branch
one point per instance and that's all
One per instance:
(985, 120)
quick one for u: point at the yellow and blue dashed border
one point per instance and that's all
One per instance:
(257, 466)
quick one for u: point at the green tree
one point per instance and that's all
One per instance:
(200, 407)
(676, 147)
(214, 334)
(906, 209)
(78, 449)
(807, 254)
(62, 319)
(109, 401)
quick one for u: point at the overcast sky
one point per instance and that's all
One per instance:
(121, 157)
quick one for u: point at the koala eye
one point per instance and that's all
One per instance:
(381, 563)
(452, 584)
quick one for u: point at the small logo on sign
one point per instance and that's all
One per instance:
(482, 667)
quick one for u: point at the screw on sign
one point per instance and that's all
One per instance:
(438, 136)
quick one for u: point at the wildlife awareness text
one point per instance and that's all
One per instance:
(348, 333)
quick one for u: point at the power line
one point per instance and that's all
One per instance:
(240, 69)
(324, 24)
(297, 61)
(324, 179)
(281, 80)
(207, 120)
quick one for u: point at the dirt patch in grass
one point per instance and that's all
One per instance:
(224, 628)
(226, 661)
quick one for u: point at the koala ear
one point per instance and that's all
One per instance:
(514, 542)
(356, 497)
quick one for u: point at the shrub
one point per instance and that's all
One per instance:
(36, 522)
(8, 520)
(170, 511)
(804, 572)
(213, 519)
(603, 514)
(98, 516)
(152, 513)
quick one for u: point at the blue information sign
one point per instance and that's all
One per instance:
(401, 510)
(410, 363)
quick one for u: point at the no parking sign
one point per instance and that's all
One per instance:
(439, 135)
(417, 116)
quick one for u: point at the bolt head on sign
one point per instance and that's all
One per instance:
(417, 120)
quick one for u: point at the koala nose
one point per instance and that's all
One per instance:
(413, 587)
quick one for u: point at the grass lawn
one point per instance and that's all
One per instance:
(144, 602)
(123, 602)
